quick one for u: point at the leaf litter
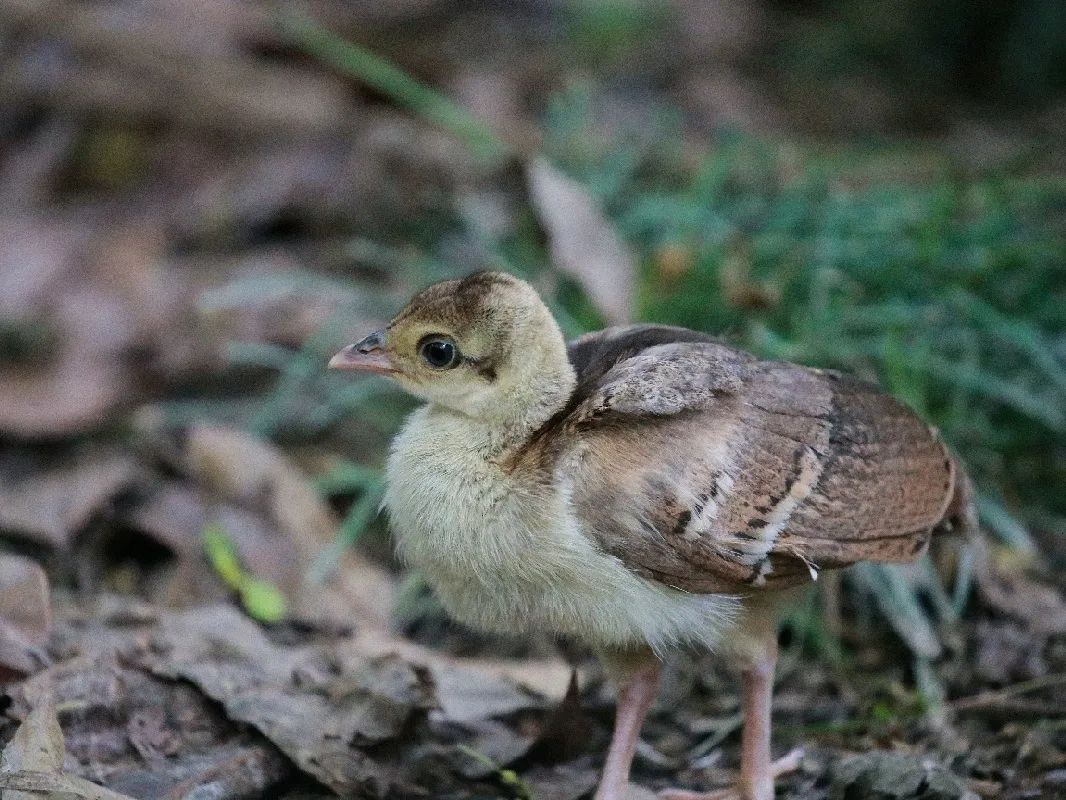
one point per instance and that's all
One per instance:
(100, 311)
(143, 736)
(314, 710)
(25, 616)
(155, 699)
(51, 505)
(32, 763)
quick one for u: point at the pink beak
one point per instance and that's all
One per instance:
(366, 355)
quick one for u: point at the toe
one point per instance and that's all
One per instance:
(783, 765)
(787, 763)
(685, 794)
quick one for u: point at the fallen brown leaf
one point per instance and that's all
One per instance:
(149, 66)
(516, 683)
(71, 393)
(24, 602)
(243, 468)
(1004, 585)
(894, 776)
(176, 515)
(144, 736)
(495, 744)
(51, 506)
(584, 244)
(31, 766)
(246, 470)
(567, 782)
(38, 743)
(50, 281)
(467, 692)
(25, 616)
(318, 712)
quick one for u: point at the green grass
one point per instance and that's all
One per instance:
(385, 77)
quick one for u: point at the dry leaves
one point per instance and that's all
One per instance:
(320, 714)
(243, 469)
(159, 703)
(278, 522)
(119, 211)
(563, 782)
(1005, 586)
(70, 372)
(32, 765)
(50, 506)
(146, 737)
(583, 243)
(25, 616)
(132, 60)
(471, 689)
(893, 776)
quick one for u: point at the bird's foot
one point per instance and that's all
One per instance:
(786, 764)
(629, 792)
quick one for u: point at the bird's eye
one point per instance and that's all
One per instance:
(439, 352)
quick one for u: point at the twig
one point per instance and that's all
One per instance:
(997, 698)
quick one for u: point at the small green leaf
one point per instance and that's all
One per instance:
(507, 777)
(263, 600)
(223, 555)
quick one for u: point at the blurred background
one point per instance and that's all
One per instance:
(200, 202)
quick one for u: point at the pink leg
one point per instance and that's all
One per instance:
(635, 694)
(757, 772)
(756, 780)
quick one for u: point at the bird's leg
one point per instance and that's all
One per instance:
(637, 684)
(756, 779)
(757, 771)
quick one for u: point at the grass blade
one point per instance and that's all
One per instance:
(391, 81)
(359, 517)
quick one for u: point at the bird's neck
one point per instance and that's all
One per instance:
(526, 409)
(524, 399)
(534, 388)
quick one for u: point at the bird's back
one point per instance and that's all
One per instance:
(705, 469)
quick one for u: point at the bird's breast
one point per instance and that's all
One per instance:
(506, 552)
(460, 518)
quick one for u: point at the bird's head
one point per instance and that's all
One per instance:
(484, 345)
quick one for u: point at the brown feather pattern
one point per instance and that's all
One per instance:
(703, 468)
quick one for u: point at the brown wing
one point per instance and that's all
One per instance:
(701, 467)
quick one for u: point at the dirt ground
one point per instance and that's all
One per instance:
(178, 177)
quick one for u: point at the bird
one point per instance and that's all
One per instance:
(642, 489)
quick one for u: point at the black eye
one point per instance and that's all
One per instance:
(439, 353)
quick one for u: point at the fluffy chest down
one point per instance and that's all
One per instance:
(506, 553)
